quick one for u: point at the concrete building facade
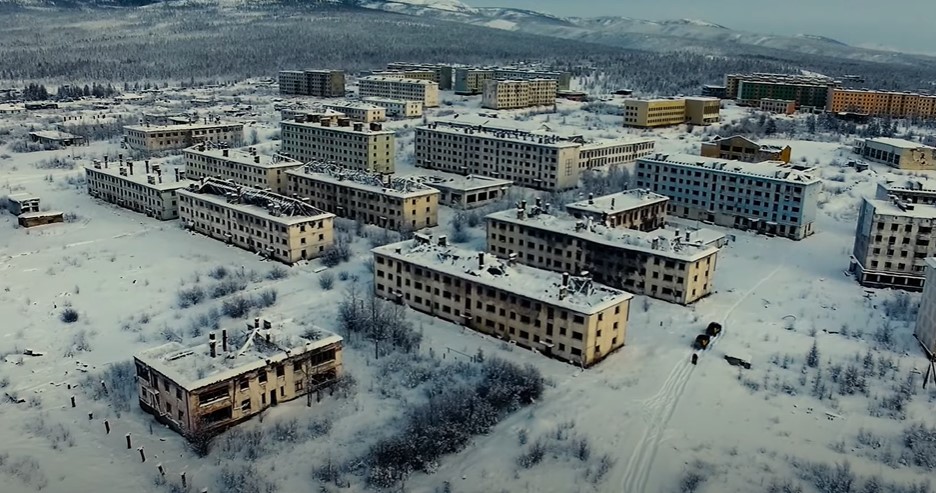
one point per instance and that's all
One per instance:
(667, 265)
(359, 111)
(244, 166)
(926, 316)
(428, 75)
(738, 148)
(144, 191)
(275, 226)
(319, 83)
(882, 103)
(513, 94)
(769, 197)
(892, 242)
(651, 113)
(393, 88)
(807, 90)
(443, 73)
(566, 317)
(203, 389)
(399, 108)
(357, 145)
(172, 137)
(471, 80)
(528, 157)
(641, 210)
(898, 153)
(469, 192)
(911, 191)
(394, 203)
(781, 106)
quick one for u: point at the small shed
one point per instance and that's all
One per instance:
(31, 219)
(54, 137)
(20, 203)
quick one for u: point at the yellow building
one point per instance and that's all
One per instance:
(430, 75)
(740, 148)
(359, 111)
(354, 144)
(650, 113)
(170, 137)
(558, 315)
(244, 166)
(394, 88)
(637, 209)
(143, 191)
(882, 103)
(394, 203)
(671, 265)
(781, 106)
(272, 225)
(512, 94)
(399, 108)
(203, 389)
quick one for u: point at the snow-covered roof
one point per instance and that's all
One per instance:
(141, 177)
(402, 187)
(378, 78)
(243, 156)
(255, 202)
(192, 367)
(774, 170)
(529, 282)
(357, 105)
(378, 101)
(902, 209)
(180, 127)
(616, 203)
(22, 197)
(354, 128)
(54, 135)
(898, 143)
(465, 183)
(686, 245)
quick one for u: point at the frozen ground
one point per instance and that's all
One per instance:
(656, 416)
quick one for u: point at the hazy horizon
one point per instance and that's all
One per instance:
(859, 22)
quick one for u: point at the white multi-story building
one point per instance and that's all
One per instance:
(443, 73)
(170, 137)
(399, 108)
(892, 242)
(769, 197)
(512, 94)
(529, 157)
(393, 88)
(359, 111)
(272, 225)
(468, 192)
(353, 144)
(245, 166)
(394, 203)
(143, 189)
(910, 191)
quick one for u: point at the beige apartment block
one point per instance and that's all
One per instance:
(354, 144)
(429, 75)
(153, 138)
(200, 390)
(313, 114)
(443, 73)
(898, 153)
(637, 209)
(399, 108)
(892, 242)
(320, 83)
(670, 265)
(558, 315)
(512, 94)
(528, 157)
(926, 317)
(773, 198)
(469, 192)
(393, 203)
(471, 80)
(359, 111)
(882, 103)
(651, 113)
(781, 106)
(909, 191)
(276, 227)
(138, 187)
(244, 166)
(393, 88)
(740, 148)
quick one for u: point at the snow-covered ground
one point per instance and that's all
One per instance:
(652, 413)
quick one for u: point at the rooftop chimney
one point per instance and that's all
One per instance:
(480, 260)
(257, 323)
(443, 240)
(565, 279)
(224, 347)
(224, 152)
(257, 159)
(212, 344)
(130, 166)
(146, 163)
(177, 174)
(591, 199)
(105, 161)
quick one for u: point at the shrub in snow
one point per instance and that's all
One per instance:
(277, 272)
(327, 281)
(69, 315)
(115, 384)
(921, 441)
(227, 286)
(190, 297)
(218, 273)
(266, 298)
(693, 477)
(236, 307)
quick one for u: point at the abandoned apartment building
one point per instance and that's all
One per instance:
(390, 202)
(926, 317)
(152, 138)
(667, 264)
(567, 317)
(338, 139)
(147, 189)
(208, 387)
(637, 209)
(245, 166)
(470, 191)
(769, 197)
(893, 239)
(275, 226)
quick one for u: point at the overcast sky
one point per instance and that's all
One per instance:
(896, 24)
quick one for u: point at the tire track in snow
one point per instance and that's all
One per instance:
(663, 404)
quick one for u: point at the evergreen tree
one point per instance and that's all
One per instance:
(812, 358)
